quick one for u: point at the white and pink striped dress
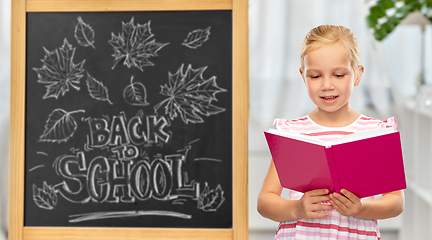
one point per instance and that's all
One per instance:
(334, 226)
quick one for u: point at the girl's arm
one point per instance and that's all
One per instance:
(271, 205)
(388, 206)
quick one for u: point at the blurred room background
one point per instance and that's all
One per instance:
(5, 23)
(397, 82)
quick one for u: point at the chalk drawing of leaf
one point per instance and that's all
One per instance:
(190, 95)
(45, 197)
(135, 94)
(196, 38)
(59, 127)
(84, 33)
(210, 200)
(97, 90)
(134, 45)
(59, 72)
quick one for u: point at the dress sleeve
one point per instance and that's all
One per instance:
(294, 195)
(389, 123)
(281, 124)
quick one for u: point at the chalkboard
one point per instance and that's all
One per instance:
(129, 119)
(169, 111)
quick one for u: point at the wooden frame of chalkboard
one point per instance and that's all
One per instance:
(21, 9)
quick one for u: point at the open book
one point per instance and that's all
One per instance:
(366, 163)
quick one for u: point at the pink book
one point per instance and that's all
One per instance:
(365, 163)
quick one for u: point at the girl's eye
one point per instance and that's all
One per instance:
(315, 76)
(339, 75)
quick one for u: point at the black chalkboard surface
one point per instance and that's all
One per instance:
(129, 119)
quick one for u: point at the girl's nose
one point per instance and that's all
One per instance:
(327, 84)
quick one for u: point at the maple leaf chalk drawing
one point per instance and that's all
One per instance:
(84, 33)
(196, 38)
(190, 95)
(97, 90)
(210, 200)
(135, 94)
(59, 72)
(60, 126)
(45, 197)
(135, 45)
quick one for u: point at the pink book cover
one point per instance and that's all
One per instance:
(367, 166)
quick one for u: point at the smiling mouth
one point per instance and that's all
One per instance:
(329, 98)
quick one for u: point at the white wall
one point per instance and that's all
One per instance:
(5, 14)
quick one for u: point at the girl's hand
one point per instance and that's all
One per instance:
(309, 204)
(347, 204)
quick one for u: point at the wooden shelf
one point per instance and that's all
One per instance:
(416, 131)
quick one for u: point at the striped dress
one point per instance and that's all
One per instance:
(334, 226)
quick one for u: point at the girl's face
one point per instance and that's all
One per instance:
(329, 77)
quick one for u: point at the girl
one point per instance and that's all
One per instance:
(330, 69)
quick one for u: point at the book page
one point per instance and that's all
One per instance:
(297, 136)
(363, 135)
(344, 139)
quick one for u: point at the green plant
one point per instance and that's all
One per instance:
(385, 15)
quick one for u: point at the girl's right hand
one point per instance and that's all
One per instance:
(309, 204)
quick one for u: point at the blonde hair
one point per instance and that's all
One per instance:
(328, 34)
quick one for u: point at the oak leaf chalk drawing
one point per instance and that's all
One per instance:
(59, 71)
(45, 197)
(135, 45)
(190, 95)
(135, 93)
(84, 33)
(211, 200)
(97, 89)
(196, 38)
(59, 127)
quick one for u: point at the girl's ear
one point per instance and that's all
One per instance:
(359, 75)
(301, 73)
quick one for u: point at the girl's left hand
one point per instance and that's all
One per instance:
(347, 204)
